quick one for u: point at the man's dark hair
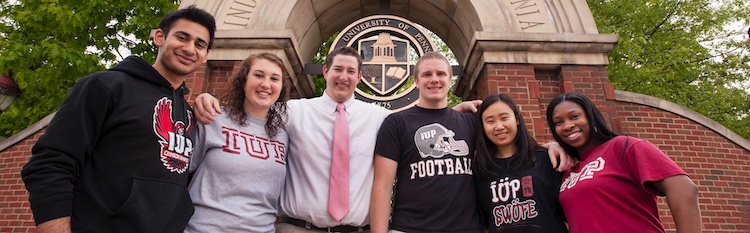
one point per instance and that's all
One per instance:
(191, 13)
(349, 51)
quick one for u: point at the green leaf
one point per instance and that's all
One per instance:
(49, 45)
(684, 51)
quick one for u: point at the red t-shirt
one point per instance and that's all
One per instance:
(606, 191)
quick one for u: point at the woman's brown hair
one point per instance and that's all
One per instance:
(233, 98)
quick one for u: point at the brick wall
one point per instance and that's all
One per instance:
(521, 84)
(214, 81)
(15, 214)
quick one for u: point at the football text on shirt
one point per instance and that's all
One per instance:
(439, 167)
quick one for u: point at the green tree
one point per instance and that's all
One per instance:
(320, 58)
(690, 52)
(48, 45)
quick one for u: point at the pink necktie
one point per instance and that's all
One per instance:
(338, 193)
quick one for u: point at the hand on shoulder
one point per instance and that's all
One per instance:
(206, 107)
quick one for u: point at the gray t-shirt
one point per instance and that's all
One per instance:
(238, 174)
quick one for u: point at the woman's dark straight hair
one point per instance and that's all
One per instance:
(486, 150)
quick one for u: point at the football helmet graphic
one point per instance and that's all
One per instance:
(434, 140)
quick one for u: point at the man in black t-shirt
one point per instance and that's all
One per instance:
(428, 149)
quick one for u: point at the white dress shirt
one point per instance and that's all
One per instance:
(310, 130)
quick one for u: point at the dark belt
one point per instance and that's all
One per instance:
(310, 226)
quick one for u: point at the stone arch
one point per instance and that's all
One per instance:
(469, 28)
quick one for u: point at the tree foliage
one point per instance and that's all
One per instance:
(47, 45)
(320, 58)
(695, 53)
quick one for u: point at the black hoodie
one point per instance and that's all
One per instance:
(115, 156)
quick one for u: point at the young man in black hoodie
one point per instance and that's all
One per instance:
(115, 156)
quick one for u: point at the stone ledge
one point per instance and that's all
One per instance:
(31, 130)
(544, 42)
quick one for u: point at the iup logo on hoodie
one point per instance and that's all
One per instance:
(176, 148)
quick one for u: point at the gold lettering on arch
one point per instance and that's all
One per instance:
(528, 13)
(240, 11)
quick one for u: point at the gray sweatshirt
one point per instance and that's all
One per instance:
(238, 173)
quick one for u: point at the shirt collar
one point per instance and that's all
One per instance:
(329, 103)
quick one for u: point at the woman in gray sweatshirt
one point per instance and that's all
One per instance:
(239, 163)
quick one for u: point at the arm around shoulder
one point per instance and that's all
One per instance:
(556, 152)
(206, 106)
(468, 106)
(382, 190)
(682, 198)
